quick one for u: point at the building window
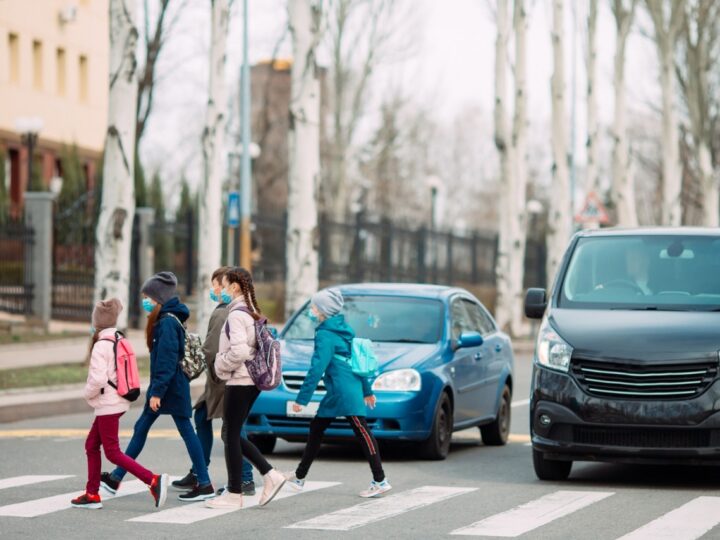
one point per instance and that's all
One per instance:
(83, 78)
(61, 72)
(37, 65)
(14, 60)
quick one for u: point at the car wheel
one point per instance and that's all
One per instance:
(264, 443)
(547, 469)
(497, 433)
(437, 446)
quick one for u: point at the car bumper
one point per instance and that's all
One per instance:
(586, 428)
(397, 416)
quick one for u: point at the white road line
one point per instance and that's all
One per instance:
(690, 521)
(534, 514)
(17, 481)
(520, 403)
(376, 510)
(192, 513)
(48, 505)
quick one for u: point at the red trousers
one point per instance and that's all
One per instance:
(104, 432)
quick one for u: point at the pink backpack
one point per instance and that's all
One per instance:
(128, 376)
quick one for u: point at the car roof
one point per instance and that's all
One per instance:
(415, 290)
(651, 231)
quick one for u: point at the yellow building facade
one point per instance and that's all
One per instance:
(54, 69)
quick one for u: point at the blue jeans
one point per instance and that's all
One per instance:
(203, 426)
(184, 427)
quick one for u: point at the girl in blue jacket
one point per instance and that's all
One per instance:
(169, 390)
(347, 394)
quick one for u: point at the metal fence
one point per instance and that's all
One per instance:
(16, 287)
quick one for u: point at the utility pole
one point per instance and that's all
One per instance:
(246, 169)
(573, 117)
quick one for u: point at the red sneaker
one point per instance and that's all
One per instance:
(87, 500)
(159, 489)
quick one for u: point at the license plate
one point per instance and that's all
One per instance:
(308, 411)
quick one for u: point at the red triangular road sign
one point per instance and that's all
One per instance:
(593, 211)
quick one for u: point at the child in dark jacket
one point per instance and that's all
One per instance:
(169, 390)
(346, 394)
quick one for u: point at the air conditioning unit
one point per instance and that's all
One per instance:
(68, 14)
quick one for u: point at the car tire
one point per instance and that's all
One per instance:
(264, 443)
(497, 433)
(437, 446)
(547, 469)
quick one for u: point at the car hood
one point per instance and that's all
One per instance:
(651, 335)
(296, 354)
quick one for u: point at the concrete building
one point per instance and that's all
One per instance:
(54, 67)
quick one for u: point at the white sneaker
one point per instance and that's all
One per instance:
(376, 489)
(272, 482)
(294, 482)
(226, 501)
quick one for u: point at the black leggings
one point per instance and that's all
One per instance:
(238, 402)
(362, 434)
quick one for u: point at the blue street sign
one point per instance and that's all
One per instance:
(233, 209)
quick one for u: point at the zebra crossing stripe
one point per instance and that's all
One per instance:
(192, 513)
(18, 481)
(376, 510)
(533, 514)
(690, 521)
(48, 505)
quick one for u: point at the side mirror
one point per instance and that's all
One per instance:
(469, 339)
(535, 303)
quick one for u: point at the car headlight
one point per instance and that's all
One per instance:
(552, 351)
(399, 380)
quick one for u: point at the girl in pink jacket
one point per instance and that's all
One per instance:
(109, 407)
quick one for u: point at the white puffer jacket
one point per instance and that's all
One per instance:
(234, 351)
(98, 393)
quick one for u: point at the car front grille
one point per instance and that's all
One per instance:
(644, 381)
(293, 380)
(642, 437)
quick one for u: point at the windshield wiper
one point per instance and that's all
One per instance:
(401, 341)
(650, 308)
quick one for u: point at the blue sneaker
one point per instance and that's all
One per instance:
(376, 489)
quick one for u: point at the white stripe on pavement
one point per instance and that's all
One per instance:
(520, 403)
(376, 510)
(690, 521)
(48, 505)
(534, 514)
(18, 481)
(192, 513)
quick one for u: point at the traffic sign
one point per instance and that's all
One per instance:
(593, 211)
(233, 209)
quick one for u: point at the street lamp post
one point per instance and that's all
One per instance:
(434, 183)
(29, 127)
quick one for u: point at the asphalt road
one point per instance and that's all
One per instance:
(495, 486)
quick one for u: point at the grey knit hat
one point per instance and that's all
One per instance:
(105, 314)
(328, 301)
(161, 287)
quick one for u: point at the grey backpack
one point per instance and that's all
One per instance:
(193, 361)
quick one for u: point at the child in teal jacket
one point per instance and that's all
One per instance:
(347, 394)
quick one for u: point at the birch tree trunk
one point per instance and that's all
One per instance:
(592, 182)
(503, 309)
(667, 27)
(559, 225)
(210, 211)
(117, 210)
(622, 192)
(304, 147)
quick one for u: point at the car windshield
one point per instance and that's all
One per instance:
(382, 319)
(644, 272)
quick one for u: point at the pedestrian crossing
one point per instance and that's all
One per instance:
(693, 518)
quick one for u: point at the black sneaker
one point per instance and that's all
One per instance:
(248, 488)
(198, 494)
(108, 483)
(186, 483)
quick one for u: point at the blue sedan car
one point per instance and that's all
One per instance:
(444, 366)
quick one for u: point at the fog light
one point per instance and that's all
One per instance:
(545, 420)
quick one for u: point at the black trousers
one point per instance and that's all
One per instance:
(238, 402)
(362, 434)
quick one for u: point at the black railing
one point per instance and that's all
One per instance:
(16, 286)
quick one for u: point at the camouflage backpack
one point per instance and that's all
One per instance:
(193, 361)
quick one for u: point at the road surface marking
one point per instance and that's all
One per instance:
(17, 481)
(76, 433)
(48, 505)
(534, 514)
(376, 510)
(520, 403)
(690, 521)
(192, 513)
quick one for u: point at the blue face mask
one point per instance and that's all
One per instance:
(225, 297)
(92, 330)
(312, 316)
(148, 305)
(214, 297)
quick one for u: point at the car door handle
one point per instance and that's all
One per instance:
(478, 356)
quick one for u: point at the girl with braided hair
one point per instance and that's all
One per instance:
(238, 344)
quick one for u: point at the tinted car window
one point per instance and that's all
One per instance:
(382, 319)
(643, 272)
(461, 318)
(481, 320)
